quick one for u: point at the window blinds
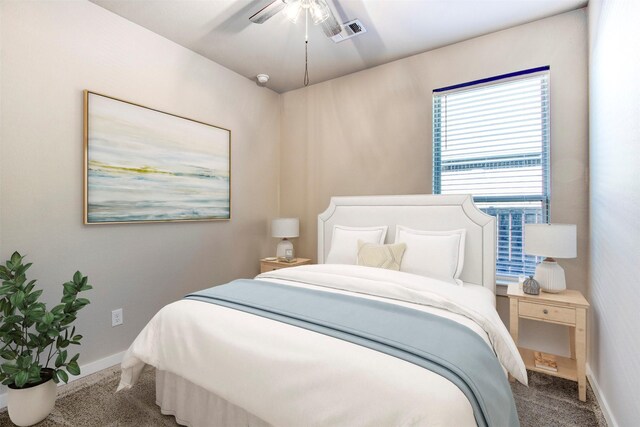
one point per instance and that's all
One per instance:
(491, 140)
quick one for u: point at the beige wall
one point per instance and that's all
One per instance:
(51, 51)
(614, 67)
(370, 132)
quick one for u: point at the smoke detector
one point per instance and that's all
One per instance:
(349, 29)
(262, 78)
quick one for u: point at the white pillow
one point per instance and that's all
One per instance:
(344, 242)
(432, 253)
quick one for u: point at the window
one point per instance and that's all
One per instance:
(491, 140)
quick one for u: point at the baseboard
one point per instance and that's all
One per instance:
(88, 369)
(604, 406)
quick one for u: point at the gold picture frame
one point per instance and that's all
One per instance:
(143, 165)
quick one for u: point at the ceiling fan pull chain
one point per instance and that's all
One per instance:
(306, 64)
(306, 46)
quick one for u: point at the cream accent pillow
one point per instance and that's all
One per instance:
(381, 256)
(344, 242)
(432, 253)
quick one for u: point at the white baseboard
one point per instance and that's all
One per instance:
(88, 369)
(604, 406)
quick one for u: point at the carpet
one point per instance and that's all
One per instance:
(91, 401)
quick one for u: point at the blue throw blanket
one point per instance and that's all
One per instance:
(432, 342)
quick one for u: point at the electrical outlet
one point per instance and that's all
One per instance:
(116, 317)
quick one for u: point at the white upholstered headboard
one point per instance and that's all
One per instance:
(423, 212)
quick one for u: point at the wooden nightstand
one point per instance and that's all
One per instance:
(276, 265)
(566, 308)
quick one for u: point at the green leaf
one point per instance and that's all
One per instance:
(9, 368)
(17, 298)
(22, 269)
(83, 301)
(59, 361)
(21, 378)
(35, 340)
(16, 258)
(33, 297)
(8, 354)
(48, 318)
(30, 286)
(68, 320)
(34, 373)
(73, 368)
(69, 289)
(19, 280)
(62, 375)
(13, 319)
(77, 278)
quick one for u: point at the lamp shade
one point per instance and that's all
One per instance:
(550, 240)
(285, 227)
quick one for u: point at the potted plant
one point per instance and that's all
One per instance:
(34, 341)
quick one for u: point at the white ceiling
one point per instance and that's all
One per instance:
(220, 30)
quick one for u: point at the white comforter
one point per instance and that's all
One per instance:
(290, 376)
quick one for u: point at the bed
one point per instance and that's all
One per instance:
(220, 365)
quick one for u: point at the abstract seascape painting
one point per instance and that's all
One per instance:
(143, 165)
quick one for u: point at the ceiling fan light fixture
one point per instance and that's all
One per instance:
(292, 10)
(319, 11)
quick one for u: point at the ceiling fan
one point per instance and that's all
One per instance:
(319, 11)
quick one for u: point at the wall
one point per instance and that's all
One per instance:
(370, 132)
(615, 207)
(51, 52)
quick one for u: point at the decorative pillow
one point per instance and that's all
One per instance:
(381, 256)
(344, 242)
(432, 253)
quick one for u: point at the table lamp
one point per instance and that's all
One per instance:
(285, 228)
(550, 241)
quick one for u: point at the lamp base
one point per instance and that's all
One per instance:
(550, 276)
(285, 249)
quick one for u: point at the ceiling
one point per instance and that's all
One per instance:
(220, 30)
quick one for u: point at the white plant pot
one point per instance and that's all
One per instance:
(29, 406)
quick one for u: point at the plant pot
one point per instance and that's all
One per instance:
(31, 404)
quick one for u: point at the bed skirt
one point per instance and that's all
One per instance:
(194, 406)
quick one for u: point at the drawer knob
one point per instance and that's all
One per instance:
(545, 311)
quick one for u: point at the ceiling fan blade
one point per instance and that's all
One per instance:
(267, 12)
(330, 26)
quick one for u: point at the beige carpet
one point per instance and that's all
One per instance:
(92, 402)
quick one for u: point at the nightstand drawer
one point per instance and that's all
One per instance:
(271, 265)
(264, 267)
(547, 312)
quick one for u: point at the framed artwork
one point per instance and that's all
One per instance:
(144, 165)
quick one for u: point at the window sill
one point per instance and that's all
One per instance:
(502, 284)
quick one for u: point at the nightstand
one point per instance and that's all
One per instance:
(276, 265)
(565, 308)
